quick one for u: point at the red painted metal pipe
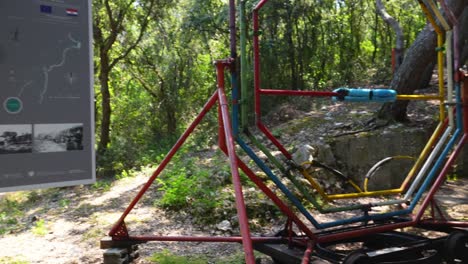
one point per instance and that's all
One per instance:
(209, 104)
(272, 138)
(260, 5)
(256, 50)
(236, 239)
(465, 101)
(297, 93)
(268, 192)
(440, 179)
(448, 12)
(307, 252)
(277, 201)
(434, 222)
(358, 233)
(240, 205)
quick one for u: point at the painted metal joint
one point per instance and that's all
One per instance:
(224, 62)
(120, 233)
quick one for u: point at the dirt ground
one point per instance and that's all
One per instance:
(73, 229)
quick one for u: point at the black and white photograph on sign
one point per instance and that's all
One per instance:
(15, 139)
(58, 137)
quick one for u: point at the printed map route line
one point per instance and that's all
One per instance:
(23, 87)
(47, 70)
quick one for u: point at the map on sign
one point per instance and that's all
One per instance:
(46, 96)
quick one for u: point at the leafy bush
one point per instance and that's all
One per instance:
(166, 257)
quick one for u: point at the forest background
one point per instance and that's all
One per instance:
(153, 62)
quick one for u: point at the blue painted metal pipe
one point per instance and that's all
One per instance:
(435, 168)
(365, 95)
(278, 182)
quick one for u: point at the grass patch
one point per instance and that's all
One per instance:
(102, 185)
(40, 228)
(13, 260)
(12, 209)
(94, 233)
(166, 257)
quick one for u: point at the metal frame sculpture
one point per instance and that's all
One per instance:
(419, 187)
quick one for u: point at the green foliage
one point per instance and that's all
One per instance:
(102, 185)
(12, 260)
(166, 257)
(39, 228)
(12, 210)
(161, 84)
(177, 188)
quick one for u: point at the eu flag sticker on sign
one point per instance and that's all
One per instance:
(46, 9)
(72, 12)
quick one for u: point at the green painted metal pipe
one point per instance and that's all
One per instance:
(319, 205)
(244, 102)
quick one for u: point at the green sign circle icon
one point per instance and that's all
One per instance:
(13, 105)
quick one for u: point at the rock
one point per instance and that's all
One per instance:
(225, 225)
(303, 154)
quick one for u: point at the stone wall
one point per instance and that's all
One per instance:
(356, 154)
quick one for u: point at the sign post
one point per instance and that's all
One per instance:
(46, 81)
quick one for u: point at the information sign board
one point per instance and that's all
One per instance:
(46, 94)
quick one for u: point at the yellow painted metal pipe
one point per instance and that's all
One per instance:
(439, 16)
(419, 97)
(425, 152)
(440, 67)
(430, 17)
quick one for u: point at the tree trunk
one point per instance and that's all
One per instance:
(400, 41)
(409, 75)
(463, 39)
(106, 110)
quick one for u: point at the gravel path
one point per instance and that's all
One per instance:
(72, 230)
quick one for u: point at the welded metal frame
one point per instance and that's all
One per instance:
(119, 234)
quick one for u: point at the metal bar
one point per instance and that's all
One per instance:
(465, 102)
(203, 239)
(449, 61)
(440, 66)
(362, 232)
(410, 175)
(209, 104)
(257, 80)
(272, 138)
(433, 222)
(418, 97)
(298, 93)
(436, 185)
(256, 55)
(439, 16)
(265, 151)
(422, 172)
(245, 99)
(448, 12)
(430, 17)
(307, 252)
(278, 183)
(260, 5)
(281, 205)
(439, 210)
(232, 67)
(424, 153)
(240, 204)
(301, 187)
